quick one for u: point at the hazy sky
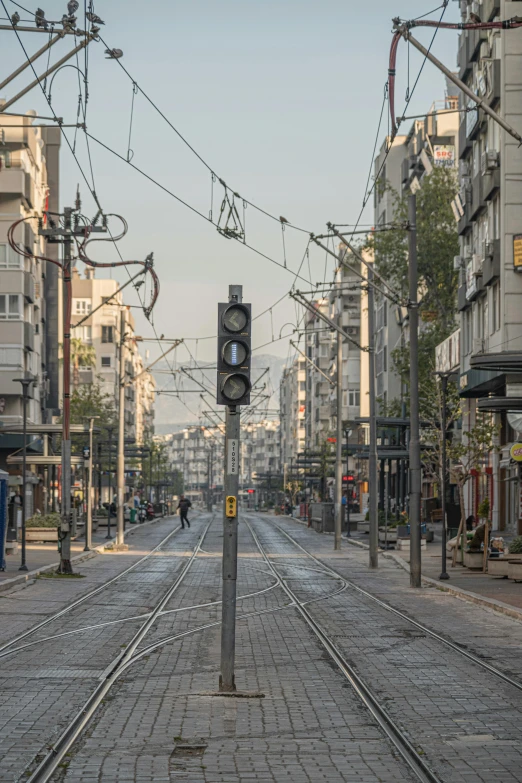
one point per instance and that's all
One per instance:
(282, 99)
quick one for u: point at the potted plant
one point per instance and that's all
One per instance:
(515, 559)
(42, 527)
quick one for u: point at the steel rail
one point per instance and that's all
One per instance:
(46, 768)
(82, 599)
(452, 645)
(402, 744)
(49, 764)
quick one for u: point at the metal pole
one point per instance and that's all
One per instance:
(121, 434)
(339, 439)
(25, 389)
(372, 467)
(32, 59)
(348, 487)
(65, 526)
(443, 573)
(231, 489)
(110, 429)
(88, 521)
(415, 460)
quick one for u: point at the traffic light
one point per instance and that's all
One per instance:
(234, 353)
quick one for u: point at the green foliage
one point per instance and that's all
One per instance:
(90, 400)
(515, 547)
(43, 520)
(483, 509)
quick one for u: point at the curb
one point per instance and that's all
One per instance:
(458, 592)
(30, 576)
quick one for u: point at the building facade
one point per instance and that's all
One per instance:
(489, 224)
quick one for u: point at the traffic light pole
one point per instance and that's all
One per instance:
(230, 531)
(415, 454)
(120, 520)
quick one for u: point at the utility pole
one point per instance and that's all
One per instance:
(372, 454)
(233, 390)
(65, 527)
(120, 529)
(415, 459)
(110, 430)
(26, 382)
(339, 441)
(88, 522)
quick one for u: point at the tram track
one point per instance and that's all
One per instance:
(392, 731)
(113, 671)
(415, 623)
(4, 648)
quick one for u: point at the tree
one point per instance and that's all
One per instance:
(469, 459)
(91, 400)
(82, 355)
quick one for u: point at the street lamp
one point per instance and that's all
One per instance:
(26, 382)
(110, 430)
(348, 489)
(88, 521)
(444, 378)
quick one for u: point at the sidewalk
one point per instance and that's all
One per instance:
(481, 585)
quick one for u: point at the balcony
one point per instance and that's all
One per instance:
(29, 287)
(12, 182)
(490, 184)
(491, 268)
(493, 74)
(462, 300)
(490, 9)
(477, 197)
(86, 376)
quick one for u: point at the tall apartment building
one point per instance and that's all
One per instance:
(430, 142)
(318, 349)
(101, 330)
(260, 452)
(490, 227)
(190, 450)
(29, 287)
(292, 403)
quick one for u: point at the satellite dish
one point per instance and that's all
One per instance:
(515, 421)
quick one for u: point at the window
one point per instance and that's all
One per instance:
(106, 361)
(5, 159)
(10, 307)
(107, 334)
(354, 397)
(84, 333)
(495, 308)
(82, 306)
(11, 357)
(8, 259)
(302, 385)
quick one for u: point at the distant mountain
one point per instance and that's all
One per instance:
(173, 412)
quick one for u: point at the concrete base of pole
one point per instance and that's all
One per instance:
(444, 576)
(23, 568)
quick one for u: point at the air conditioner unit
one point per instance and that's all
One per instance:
(463, 168)
(478, 345)
(477, 264)
(489, 161)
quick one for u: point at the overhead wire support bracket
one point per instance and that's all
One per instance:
(311, 363)
(403, 30)
(297, 295)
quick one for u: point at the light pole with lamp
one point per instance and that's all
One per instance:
(348, 488)
(26, 382)
(88, 521)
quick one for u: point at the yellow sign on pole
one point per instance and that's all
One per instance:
(231, 506)
(516, 452)
(517, 251)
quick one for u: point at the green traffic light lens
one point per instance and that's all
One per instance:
(234, 353)
(235, 319)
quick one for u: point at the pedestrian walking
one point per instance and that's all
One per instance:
(183, 506)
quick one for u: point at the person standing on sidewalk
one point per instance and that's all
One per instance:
(184, 505)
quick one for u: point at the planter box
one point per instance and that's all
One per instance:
(474, 560)
(41, 534)
(391, 536)
(404, 544)
(515, 570)
(498, 566)
(363, 527)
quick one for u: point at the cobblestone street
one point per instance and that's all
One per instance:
(299, 718)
